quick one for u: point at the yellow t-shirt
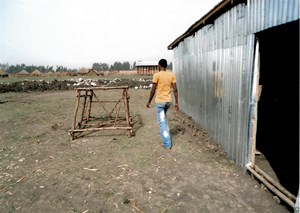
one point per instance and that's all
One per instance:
(164, 80)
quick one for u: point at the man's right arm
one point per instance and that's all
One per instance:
(175, 91)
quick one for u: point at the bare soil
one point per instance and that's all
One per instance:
(41, 170)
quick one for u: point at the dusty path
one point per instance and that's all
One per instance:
(42, 171)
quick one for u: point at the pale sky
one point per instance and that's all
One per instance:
(77, 33)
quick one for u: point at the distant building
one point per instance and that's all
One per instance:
(90, 72)
(36, 73)
(23, 73)
(146, 67)
(49, 74)
(3, 74)
(70, 73)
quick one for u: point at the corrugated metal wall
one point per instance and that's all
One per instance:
(214, 71)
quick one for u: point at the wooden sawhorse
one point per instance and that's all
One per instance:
(109, 115)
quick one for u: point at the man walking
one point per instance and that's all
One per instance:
(163, 82)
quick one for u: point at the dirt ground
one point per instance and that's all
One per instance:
(41, 170)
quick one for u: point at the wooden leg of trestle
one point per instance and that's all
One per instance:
(128, 122)
(90, 104)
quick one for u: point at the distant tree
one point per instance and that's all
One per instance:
(11, 69)
(126, 65)
(117, 66)
(61, 69)
(134, 66)
(30, 69)
(41, 68)
(19, 67)
(4, 66)
(100, 66)
(96, 66)
(104, 67)
(15, 68)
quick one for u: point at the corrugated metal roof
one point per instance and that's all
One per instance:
(264, 13)
(206, 19)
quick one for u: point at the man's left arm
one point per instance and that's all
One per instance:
(175, 91)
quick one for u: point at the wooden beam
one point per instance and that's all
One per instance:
(102, 128)
(271, 187)
(275, 183)
(101, 88)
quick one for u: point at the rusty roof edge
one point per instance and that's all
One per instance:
(200, 22)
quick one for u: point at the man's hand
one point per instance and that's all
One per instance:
(176, 107)
(152, 93)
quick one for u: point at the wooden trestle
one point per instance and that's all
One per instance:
(108, 115)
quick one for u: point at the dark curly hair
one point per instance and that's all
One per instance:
(163, 63)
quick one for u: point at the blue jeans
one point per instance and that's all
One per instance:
(161, 109)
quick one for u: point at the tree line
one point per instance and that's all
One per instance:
(117, 66)
(99, 66)
(20, 67)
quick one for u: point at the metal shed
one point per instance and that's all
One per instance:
(236, 68)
